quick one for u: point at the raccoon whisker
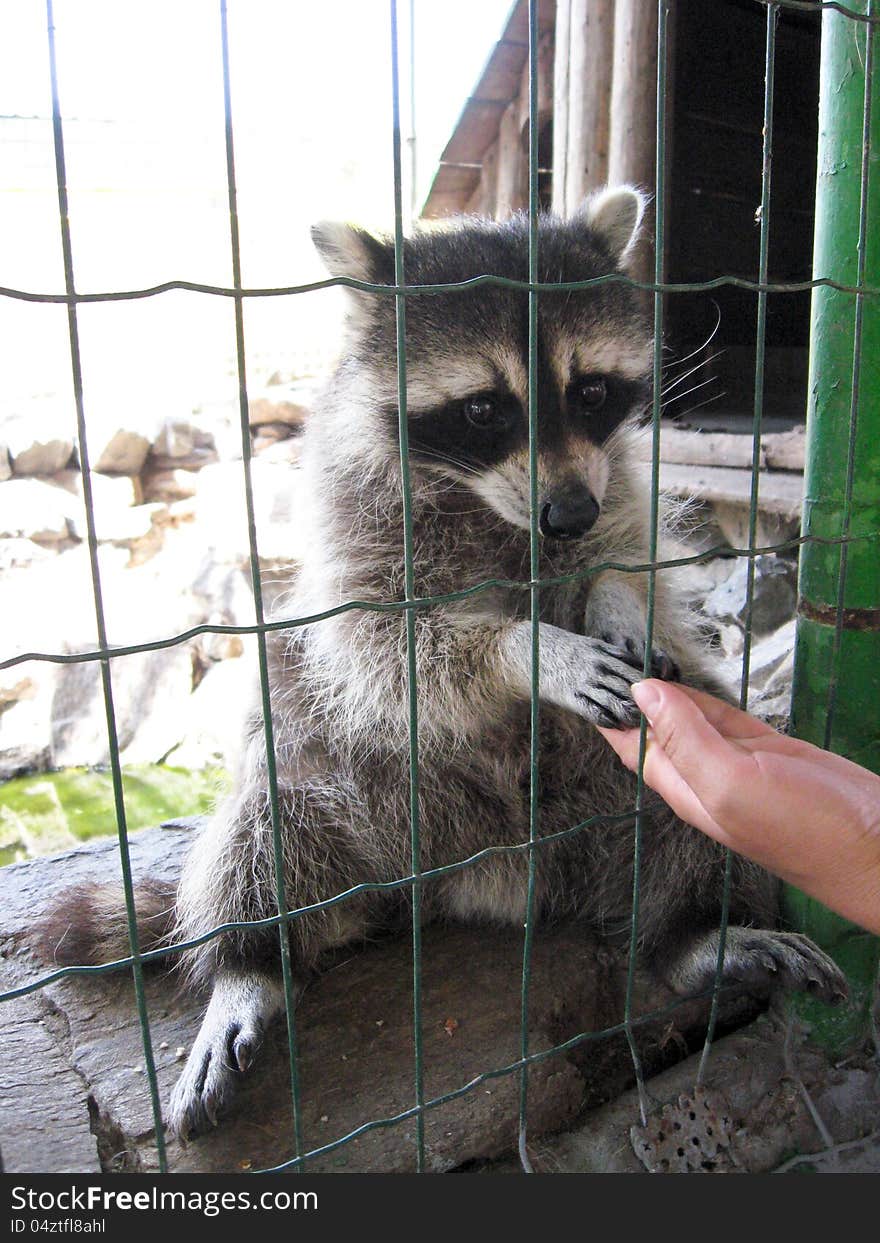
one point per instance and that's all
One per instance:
(667, 388)
(700, 404)
(711, 337)
(695, 388)
(445, 459)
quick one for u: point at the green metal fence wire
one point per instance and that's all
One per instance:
(256, 583)
(412, 605)
(656, 409)
(92, 540)
(760, 355)
(409, 592)
(534, 589)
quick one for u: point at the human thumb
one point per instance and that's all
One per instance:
(702, 757)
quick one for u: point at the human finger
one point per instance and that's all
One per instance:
(729, 721)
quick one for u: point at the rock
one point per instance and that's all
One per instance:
(270, 434)
(40, 442)
(117, 449)
(120, 517)
(221, 514)
(769, 655)
(183, 444)
(169, 485)
(37, 510)
(284, 452)
(119, 524)
(774, 597)
(116, 491)
(766, 656)
(354, 1035)
(5, 467)
(24, 736)
(19, 553)
(771, 685)
(226, 598)
(15, 684)
(224, 591)
(149, 689)
(215, 712)
(49, 605)
(277, 406)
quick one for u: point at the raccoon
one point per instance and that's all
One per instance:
(339, 686)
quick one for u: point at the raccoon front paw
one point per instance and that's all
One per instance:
(662, 664)
(607, 700)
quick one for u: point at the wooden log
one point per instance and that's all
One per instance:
(590, 77)
(546, 52)
(512, 165)
(486, 198)
(751, 1086)
(633, 93)
(632, 142)
(778, 450)
(354, 1027)
(785, 450)
(561, 94)
(779, 494)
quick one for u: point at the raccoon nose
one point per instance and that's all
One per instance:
(569, 516)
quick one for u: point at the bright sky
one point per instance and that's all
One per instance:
(311, 96)
(307, 77)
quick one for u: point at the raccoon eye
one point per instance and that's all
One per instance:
(482, 411)
(591, 392)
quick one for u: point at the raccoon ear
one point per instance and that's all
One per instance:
(615, 214)
(353, 252)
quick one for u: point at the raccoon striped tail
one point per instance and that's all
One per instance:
(88, 926)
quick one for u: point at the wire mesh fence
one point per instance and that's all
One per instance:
(411, 605)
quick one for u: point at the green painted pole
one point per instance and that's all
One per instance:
(836, 694)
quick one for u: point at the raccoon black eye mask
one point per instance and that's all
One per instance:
(484, 428)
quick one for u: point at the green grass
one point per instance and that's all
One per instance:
(48, 812)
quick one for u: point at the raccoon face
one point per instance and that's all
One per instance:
(467, 355)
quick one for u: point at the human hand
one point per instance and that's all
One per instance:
(811, 817)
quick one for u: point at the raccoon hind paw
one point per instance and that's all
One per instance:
(232, 1031)
(761, 961)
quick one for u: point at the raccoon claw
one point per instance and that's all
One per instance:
(225, 1048)
(600, 715)
(245, 1047)
(202, 1090)
(607, 701)
(633, 652)
(209, 1078)
(664, 667)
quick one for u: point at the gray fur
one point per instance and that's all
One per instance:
(339, 687)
